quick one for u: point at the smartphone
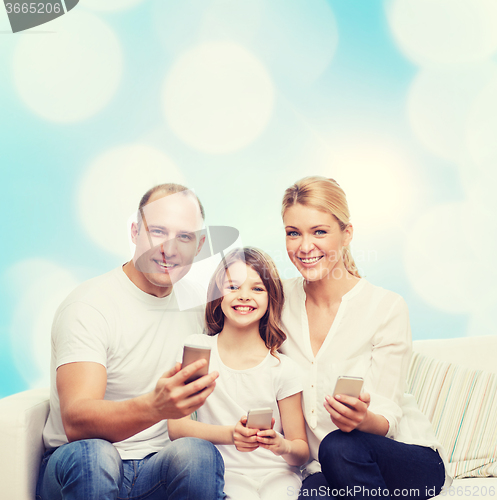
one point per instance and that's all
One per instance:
(350, 386)
(192, 353)
(259, 418)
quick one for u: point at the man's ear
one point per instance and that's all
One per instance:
(200, 245)
(134, 232)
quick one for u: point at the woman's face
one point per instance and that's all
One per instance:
(314, 242)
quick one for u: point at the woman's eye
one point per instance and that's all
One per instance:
(292, 234)
(320, 232)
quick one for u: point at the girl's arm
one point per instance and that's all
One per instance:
(293, 447)
(186, 427)
(244, 439)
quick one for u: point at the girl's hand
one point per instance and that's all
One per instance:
(345, 418)
(243, 438)
(273, 441)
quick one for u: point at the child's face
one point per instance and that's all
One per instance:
(245, 298)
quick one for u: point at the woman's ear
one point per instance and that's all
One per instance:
(348, 234)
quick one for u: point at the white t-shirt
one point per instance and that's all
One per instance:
(370, 338)
(238, 391)
(134, 335)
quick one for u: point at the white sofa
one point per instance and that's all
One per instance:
(23, 415)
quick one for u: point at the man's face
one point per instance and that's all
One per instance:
(167, 240)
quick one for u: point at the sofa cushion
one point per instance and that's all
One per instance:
(461, 404)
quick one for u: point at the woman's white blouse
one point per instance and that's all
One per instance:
(370, 338)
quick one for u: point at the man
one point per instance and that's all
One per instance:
(112, 338)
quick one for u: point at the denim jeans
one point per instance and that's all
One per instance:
(362, 465)
(92, 469)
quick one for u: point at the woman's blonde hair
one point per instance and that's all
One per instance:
(327, 196)
(263, 265)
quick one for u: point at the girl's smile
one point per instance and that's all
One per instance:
(245, 298)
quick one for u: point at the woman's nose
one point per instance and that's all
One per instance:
(307, 244)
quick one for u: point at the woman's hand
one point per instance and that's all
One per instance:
(245, 439)
(353, 416)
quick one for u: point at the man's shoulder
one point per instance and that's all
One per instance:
(96, 291)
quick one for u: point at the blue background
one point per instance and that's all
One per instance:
(396, 100)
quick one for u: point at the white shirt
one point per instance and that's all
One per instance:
(238, 391)
(370, 338)
(134, 335)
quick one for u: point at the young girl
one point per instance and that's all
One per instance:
(245, 303)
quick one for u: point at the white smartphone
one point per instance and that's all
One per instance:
(259, 418)
(350, 386)
(192, 353)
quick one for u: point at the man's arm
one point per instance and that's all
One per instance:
(85, 414)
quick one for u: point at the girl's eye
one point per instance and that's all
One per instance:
(292, 234)
(259, 289)
(231, 287)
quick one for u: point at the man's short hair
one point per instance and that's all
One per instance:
(166, 189)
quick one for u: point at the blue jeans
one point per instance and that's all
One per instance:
(362, 465)
(92, 469)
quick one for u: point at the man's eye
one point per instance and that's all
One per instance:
(185, 237)
(157, 232)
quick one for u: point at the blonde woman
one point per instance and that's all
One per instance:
(337, 323)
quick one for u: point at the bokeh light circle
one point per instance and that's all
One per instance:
(444, 32)
(109, 5)
(439, 105)
(72, 73)
(112, 187)
(218, 98)
(441, 264)
(40, 286)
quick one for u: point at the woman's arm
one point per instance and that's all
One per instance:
(390, 357)
(357, 416)
(293, 447)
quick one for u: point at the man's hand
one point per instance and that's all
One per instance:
(86, 414)
(245, 439)
(171, 398)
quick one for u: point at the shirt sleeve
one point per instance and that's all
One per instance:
(391, 354)
(290, 379)
(80, 333)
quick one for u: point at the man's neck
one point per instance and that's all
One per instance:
(141, 282)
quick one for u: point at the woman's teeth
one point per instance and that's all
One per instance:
(311, 260)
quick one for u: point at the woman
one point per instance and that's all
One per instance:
(339, 324)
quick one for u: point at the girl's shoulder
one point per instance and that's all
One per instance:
(285, 364)
(201, 339)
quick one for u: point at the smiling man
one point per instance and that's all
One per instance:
(112, 340)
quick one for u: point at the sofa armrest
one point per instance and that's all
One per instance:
(22, 419)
